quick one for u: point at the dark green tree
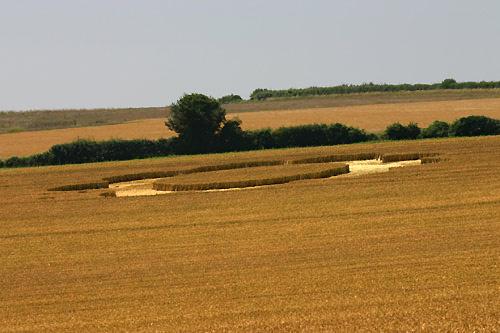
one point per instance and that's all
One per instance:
(397, 131)
(197, 119)
(449, 84)
(230, 99)
(475, 126)
(438, 129)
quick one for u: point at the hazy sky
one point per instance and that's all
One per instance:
(112, 53)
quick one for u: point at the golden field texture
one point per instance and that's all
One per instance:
(52, 119)
(250, 177)
(369, 117)
(413, 249)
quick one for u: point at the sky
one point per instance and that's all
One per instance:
(57, 54)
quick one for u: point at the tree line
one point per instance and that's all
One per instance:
(202, 127)
(263, 94)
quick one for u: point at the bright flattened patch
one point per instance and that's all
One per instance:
(357, 168)
(136, 188)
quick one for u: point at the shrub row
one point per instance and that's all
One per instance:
(262, 94)
(161, 186)
(87, 151)
(234, 139)
(466, 126)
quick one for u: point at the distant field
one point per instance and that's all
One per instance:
(414, 249)
(373, 117)
(41, 120)
(11, 122)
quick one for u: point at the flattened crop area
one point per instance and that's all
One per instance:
(415, 248)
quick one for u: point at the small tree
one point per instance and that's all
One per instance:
(230, 99)
(475, 125)
(438, 129)
(197, 119)
(397, 131)
(449, 84)
(231, 137)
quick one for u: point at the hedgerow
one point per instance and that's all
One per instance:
(232, 138)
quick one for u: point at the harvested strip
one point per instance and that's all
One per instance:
(140, 176)
(337, 158)
(405, 157)
(80, 187)
(172, 173)
(258, 176)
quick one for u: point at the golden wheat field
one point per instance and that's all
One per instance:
(11, 122)
(412, 249)
(373, 117)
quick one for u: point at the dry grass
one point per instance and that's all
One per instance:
(369, 117)
(80, 187)
(409, 250)
(387, 158)
(374, 118)
(28, 143)
(11, 122)
(249, 177)
(337, 158)
(52, 119)
(206, 168)
(426, 160)
(334, 101)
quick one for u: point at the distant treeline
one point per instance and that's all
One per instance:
(262, 94)
(87, 151)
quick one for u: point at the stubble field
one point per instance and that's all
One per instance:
(374, 118)
(412, 249)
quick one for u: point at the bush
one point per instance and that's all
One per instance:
(231, 137)
(475, 126)
(79, 151)
(87, 151)
(16, 162)
(260, 139)
(230, 99)
(438, 129)
(301, 136)
(397, 131)
(318, 135)
(449, 84)
(341, 134)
